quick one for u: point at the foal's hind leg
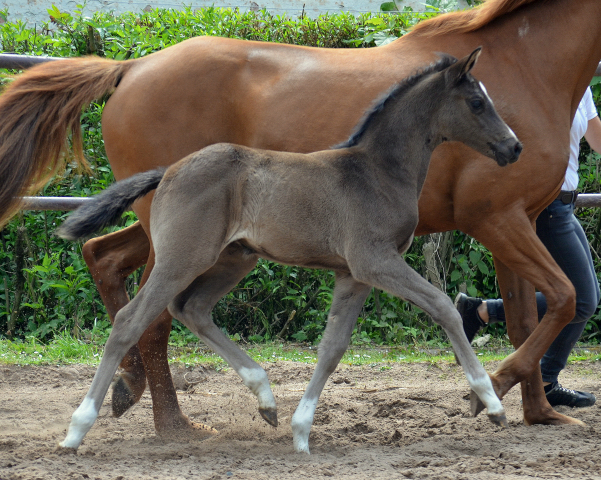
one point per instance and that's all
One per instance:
(389, 271)
(111, 259)
(349, 297)
(193, 308)
(130, 323)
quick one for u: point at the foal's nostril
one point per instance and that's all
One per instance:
(517, 149)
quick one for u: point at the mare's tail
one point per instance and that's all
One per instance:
(38, 110)
(107, 207)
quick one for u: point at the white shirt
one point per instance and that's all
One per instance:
(586, 111)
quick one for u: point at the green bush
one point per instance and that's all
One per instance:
(55, 293)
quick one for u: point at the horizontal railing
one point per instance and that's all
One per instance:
(584, 200)
(53, 203)
(11, 60)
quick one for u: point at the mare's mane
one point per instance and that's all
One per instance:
(468, 20)
(395, 92)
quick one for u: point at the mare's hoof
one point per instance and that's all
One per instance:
(123, 398)
(500, 420)
(270, 415)
(476, 405)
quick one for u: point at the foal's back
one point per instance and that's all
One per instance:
(297, 209)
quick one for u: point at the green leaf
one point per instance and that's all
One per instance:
(389, 7)
(483, 268)
(300, 336)
(383, 38)
(375, 21)
(475, 257)
(455, 275)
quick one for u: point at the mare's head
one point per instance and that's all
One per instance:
(467, 114)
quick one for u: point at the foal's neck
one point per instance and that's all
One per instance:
(402, 137)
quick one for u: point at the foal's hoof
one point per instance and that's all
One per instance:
(123, 398)
(476, 405)
(60, 450)
(500, 420)
(270, 415)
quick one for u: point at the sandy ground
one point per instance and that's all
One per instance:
(411, 421)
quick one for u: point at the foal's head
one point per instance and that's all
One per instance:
(467, 114)
(441, 102)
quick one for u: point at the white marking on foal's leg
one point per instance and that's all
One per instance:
(302, 420)
(82, 420)
(258, 383)
(485, 391)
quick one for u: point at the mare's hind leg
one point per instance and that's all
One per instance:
(193, 308)
(130, 323)
(349, 297)
(169, 420)
(389, 271)
(111, 259)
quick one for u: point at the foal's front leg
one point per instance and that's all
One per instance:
(389, 271)
(349, 297)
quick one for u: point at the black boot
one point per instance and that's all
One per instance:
(468, 309)
(558, 395)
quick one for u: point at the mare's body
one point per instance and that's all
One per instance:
(209, 90)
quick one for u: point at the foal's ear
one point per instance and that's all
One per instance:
(460, 69)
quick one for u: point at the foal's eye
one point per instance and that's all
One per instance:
(476, 104)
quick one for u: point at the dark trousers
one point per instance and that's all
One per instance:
(562, 234)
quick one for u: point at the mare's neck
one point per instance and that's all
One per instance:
(555, 43)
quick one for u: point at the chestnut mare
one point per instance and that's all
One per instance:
(352, 209)
(207, 90)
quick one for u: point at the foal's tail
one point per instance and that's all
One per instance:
(38, 110)
(107, 207)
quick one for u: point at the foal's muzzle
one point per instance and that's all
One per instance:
(506, 151)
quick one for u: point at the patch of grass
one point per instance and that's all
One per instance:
(62, 350)
(65, 349)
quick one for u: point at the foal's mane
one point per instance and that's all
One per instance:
(468, 20)
(395, 92)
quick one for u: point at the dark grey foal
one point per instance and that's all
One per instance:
(352, 209)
